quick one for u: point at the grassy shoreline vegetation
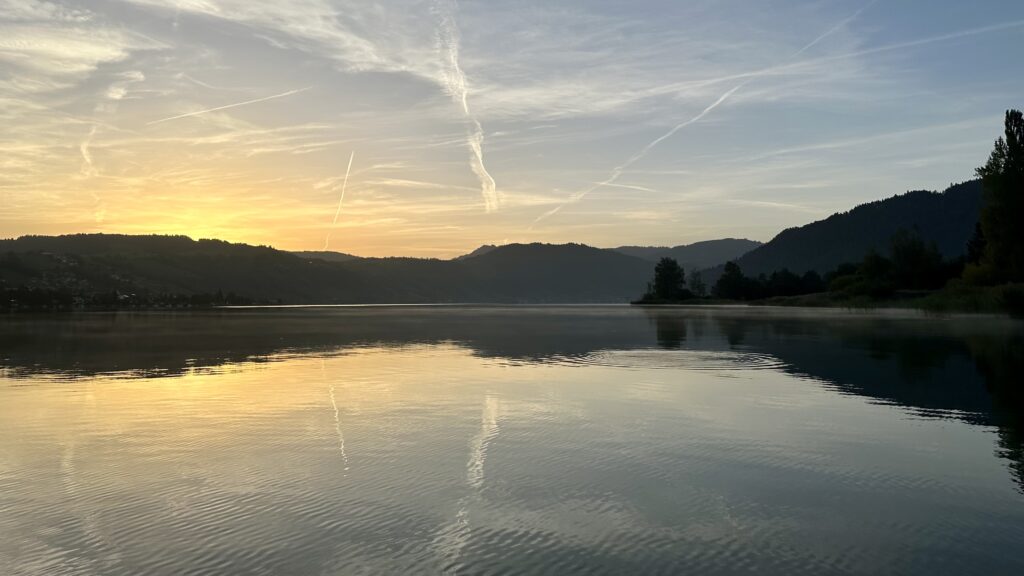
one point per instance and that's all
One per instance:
(959, 299)
(987, 278)
(956, 298)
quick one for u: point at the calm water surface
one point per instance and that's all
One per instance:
(510, 441)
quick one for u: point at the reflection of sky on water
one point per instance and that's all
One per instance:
(629, 439)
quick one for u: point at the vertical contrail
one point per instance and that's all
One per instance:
(344, 184)
(455, 85)
(618, 171)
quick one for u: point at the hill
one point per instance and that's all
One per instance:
(83, 265)
(478, 252)
(946, 218)
(698, 255)
(327, 255)
(86, 264)
(511, 273)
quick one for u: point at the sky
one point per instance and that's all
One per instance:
(429, 127)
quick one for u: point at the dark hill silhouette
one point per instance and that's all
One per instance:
(551, 272)
(100, 263)
(697, 255)
(947, 218)
(691, 256)
(511, 273)
(327, 255)
(87, 264)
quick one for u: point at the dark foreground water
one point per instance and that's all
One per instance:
(511, 441)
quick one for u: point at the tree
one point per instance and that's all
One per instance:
(731, 284)
(1003, 203)
(669, 280)
(783, 283)
(915, 265)
(976, 245)
(697, 285)
(811, 282)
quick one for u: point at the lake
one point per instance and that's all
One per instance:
(511, 440)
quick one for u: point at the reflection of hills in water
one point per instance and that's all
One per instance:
(950, 368)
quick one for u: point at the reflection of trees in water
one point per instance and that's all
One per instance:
(970, 375)
(943, 369)
(670, 330)
(734, 330)
(1001, 361)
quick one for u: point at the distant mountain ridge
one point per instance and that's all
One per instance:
(484, 249)
(697, 255)
(946, 218)
(703, 254)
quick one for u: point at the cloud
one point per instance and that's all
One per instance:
(59, 53)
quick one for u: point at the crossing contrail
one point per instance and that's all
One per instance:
(454, 80)
(833, 29)
(344, 184)
(227, 106)
(620, 169)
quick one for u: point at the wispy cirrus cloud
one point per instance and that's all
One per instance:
(878, 101)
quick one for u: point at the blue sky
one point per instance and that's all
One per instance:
(609, 123)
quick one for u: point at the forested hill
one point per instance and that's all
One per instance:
(946, 218)
(89, 264)
(697, 255)
(325, 255)
(151, 266)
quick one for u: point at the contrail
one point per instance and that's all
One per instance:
(455, 85)
(834, 29)
(618, 171)
(344, 184)
(227, 106)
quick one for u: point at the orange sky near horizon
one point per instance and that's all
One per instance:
(480, 123)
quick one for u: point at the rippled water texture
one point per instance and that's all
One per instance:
(511, 441)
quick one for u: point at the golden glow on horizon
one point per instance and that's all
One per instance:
(235, 119)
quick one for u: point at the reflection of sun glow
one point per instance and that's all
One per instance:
(203, 404)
